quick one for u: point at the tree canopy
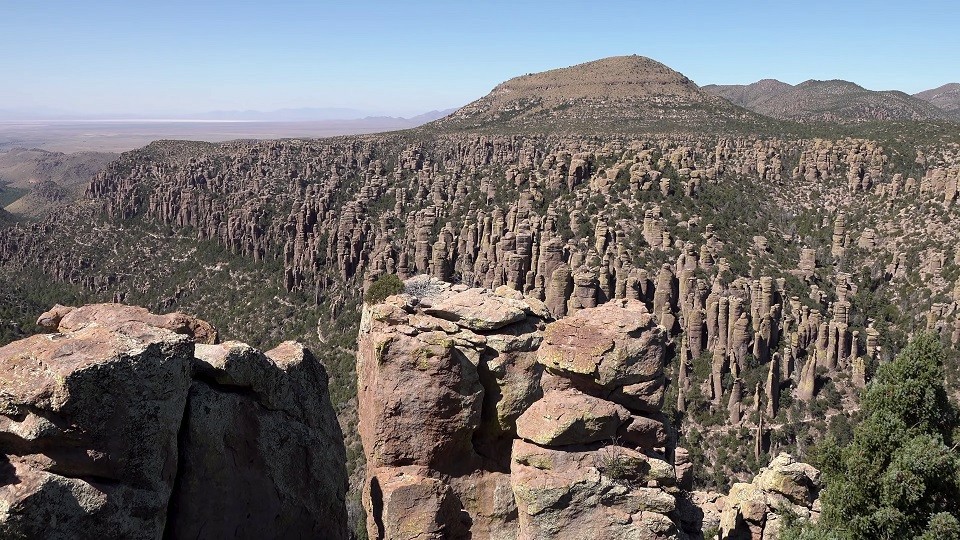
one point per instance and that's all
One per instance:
(900, 475)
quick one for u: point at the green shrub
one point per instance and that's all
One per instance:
(900, 475)
(384, 286)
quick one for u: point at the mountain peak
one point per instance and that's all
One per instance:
(616, 76)
(623, 91)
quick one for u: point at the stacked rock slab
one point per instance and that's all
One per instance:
(121, 424)
(584, 463)
(441, 382)
(480, 420)
(755, 511)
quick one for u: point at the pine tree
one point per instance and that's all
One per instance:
(900, 476)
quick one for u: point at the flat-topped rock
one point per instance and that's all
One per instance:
(479, 309)
(615, 344)
(66, 318)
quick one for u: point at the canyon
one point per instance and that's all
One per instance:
(622, 291)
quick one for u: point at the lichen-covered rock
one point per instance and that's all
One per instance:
(84, 460)
(616, 344)
(471, 419)
(420, 398)
(586, 493)
(569, 417)
(114, 428)
(478, 309)
(798, 482)
(67, 319)
(754, 510)
(435, 395)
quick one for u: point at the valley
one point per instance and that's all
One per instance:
(784, 246)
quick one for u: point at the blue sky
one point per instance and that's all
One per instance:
(395, 57)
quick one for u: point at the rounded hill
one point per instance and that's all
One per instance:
(621, 93)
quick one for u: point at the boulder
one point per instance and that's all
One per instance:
(642, 397)
(479, 309)
(754, 510)
(616, 344)
(566, 417)
(405, 505)
(67, 319)
(796, 481)
(419, 398)
(115, 427)
(597, 493)
(88, 424)
(643, 433)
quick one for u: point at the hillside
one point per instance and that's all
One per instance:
(755, 96)
(827, 101)
(615, 94)
(33, 182)
(946, 97)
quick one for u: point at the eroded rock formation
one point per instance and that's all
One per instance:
(507, 421)
(124, 424)
(755, 510)
(480, 418)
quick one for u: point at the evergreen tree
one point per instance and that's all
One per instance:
(900, 476)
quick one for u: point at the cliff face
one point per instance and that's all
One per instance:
(480, 418)
(124, 424)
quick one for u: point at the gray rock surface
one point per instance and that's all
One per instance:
(114, 426)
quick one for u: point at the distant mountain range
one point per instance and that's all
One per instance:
(839, 101)
(636, 93)
(631, 89)
(308, 114)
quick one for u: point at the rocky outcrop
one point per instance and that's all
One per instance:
(439, 404)
(537, 429)
(119, 425)
(755, 510)
(477, 422)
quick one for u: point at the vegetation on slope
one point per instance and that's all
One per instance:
(900, 475)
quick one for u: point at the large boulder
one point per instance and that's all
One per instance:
(419, 399)
(617, 344)
(440, 398)
(114, 427)
(591, 493)
(797, 481)
(755, 510)
(479, 309)
(67, 319)
(569, 417)
(411, 506)
(88, 425)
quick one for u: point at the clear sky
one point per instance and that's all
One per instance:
(406, 57)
